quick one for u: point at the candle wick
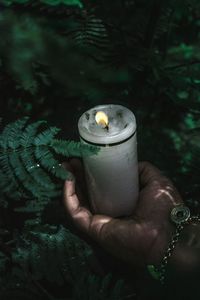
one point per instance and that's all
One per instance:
(107, 127)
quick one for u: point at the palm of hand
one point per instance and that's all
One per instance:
(139, 239)
(157, 198)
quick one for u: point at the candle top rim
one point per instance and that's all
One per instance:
(122, 124)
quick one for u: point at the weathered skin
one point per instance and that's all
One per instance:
(142, 238)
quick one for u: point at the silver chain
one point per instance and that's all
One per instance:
(161, 270)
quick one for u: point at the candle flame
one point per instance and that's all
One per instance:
(102, 119)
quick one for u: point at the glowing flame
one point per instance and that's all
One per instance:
(102, 119)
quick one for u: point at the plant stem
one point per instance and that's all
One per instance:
(183, 65)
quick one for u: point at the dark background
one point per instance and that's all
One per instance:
(58, 60)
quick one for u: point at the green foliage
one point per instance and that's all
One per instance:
(27, 159)
(53, 254)
(91, 33)
(71, 148)
(48, 2)
(57, 58)
(144, 43)
(29, 165)
(56, 255)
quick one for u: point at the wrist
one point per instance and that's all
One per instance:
(186, 256)
(182, 253)
(160, 243)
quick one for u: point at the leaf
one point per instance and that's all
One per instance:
(29, 167)
(48, 2)
(70, 148)
(50, 251)
(65, 2)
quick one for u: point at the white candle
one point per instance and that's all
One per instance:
(112, 174)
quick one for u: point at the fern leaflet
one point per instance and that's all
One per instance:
(29, 159)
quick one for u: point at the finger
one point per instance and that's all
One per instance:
(153, 179)
(81, 186)
(124, 239)
(149, 173)
(66, 165)
(81, 216)
(108, 232)
(78, 169)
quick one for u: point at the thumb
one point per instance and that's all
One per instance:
(82, 217)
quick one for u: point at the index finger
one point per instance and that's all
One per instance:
(81, 215)
(149, 173)
(77, 169)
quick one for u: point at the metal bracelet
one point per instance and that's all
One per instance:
(180, 215)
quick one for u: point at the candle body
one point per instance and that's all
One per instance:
(112, 174)
(112, 179)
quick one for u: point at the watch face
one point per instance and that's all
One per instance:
(180, 214)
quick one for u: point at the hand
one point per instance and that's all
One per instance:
(140, 239)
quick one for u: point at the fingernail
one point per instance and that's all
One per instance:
(71, 177)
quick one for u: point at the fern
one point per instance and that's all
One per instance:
(47, 2)
(90, 33)
(53, 254)
(28, 159)
(60, 257)
(62, 147)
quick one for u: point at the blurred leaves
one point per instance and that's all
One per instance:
(58, 58)
(48, 2)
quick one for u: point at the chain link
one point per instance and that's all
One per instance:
(161, 270)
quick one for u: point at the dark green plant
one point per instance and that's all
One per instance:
(53, 254)
(29, 165)
(57, 58)
(60, 258)
(29, 162)
(27, 155)
(47, 2)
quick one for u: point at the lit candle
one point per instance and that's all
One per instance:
(112, 174)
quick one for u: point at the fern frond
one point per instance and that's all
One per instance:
(51, 253)
(70, 148)
(47, 160)
(12, 133)
(90, 31)
(91, 34)
(29, 133)
(23, 176)
(46, 136)
(36, 171)
(28, 163)
(33, 206)
(8, 182)
(47, 2)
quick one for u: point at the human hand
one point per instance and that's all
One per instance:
(140, 239)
